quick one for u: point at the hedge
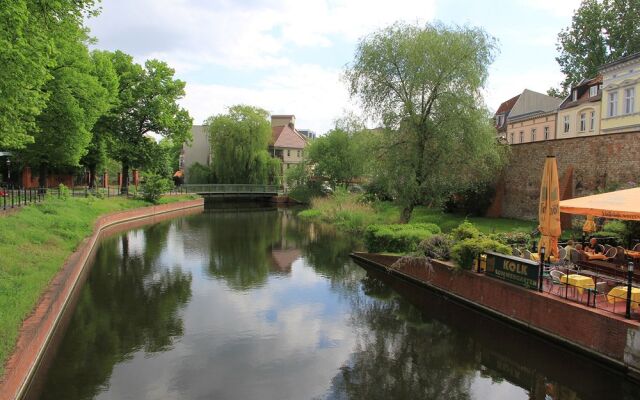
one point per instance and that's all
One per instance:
(397, 238)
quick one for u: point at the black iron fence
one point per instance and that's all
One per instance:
(13, 197)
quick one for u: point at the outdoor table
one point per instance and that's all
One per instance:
(620, 293)
(593, 256)
(581, 282)
(536, 257)
(633, 254)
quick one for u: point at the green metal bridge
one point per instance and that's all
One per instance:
(232, 190)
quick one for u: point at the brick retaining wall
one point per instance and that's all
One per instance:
(39, 327)
(606, 336)
(590, 163)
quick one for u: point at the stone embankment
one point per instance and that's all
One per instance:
(597, 333)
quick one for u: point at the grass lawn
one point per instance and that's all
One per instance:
(35, 241)
(348, 214)
(446, 222)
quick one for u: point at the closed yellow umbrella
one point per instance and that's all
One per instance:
(549, 212)
(589, 225)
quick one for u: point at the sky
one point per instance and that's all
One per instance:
(289, 56)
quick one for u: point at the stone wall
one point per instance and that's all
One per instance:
(586, 165)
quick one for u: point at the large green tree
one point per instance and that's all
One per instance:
(96, 152)
(600, 32)
(423, 84)
(239, 142)
(76, 99)
(28, 36)
(147, 103)
(340, 155)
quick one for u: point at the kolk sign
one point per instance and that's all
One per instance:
(513, 270)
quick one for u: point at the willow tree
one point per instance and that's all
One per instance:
(239, 146)
(423, 84)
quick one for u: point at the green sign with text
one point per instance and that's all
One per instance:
(514, 270)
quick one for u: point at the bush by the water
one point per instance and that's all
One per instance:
(436, 246)
(153, 186)
(397, 238)
(466, 251)
(465, 230)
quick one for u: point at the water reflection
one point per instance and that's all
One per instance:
(130, 303)
(254, 304)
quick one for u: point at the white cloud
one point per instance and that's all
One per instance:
(504, 85)
(316, 95)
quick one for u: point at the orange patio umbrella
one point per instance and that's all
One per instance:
(589, 225)
(549, 212)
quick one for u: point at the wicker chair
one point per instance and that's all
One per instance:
(516, 252)
(556, 280)
(636, 247)
(527, 255)
(611, 254)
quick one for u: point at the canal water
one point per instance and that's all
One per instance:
(252, 303)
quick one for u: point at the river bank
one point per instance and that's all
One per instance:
(36, 241)
(606, 337)
(351, 213)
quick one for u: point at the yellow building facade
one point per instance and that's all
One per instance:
(532, 128)
(620, 89)
(579, 113)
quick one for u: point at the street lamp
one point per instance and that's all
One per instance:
(8, 169)
(629, 288)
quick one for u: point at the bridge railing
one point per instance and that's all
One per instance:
(229, 188)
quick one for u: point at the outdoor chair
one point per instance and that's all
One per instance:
(575, 258)
(601, 290)
(607, 246)
(599, 248)
(611, 254)
(556, 280)
(527, 254)
(516, 252)
(620, 256)
(636, 247)
(562, 254)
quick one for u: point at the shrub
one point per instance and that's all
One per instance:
(198, 173)
(465, 230)
(310, 214)
(436, 246)
(64, 191)
(513, 238)
(466, 251)
(617, 238)
(153, 186)
(397, 238)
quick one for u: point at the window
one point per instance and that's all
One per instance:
(629, 99)
(575, 95)
(612, 110)
(499, 120)
(593, 91)
(298, 153)
(566, 124)
(583, 121)
(546, 133)
(592, 121)
(288, 153)
(521, 137)
(513, 140)
(533, 134)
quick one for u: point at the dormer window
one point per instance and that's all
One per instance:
(499, 120)
(575, 95)
(593, 91)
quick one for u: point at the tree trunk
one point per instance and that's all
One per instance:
(405, 216)
(125, 178)
(42, 176)
(92, 176)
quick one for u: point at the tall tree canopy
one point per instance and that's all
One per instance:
(341, 154)
(239, 142)
(76, 99)
(27, 54)
(96, 155)
(147, 103)
(600, 32)
(423, 84)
